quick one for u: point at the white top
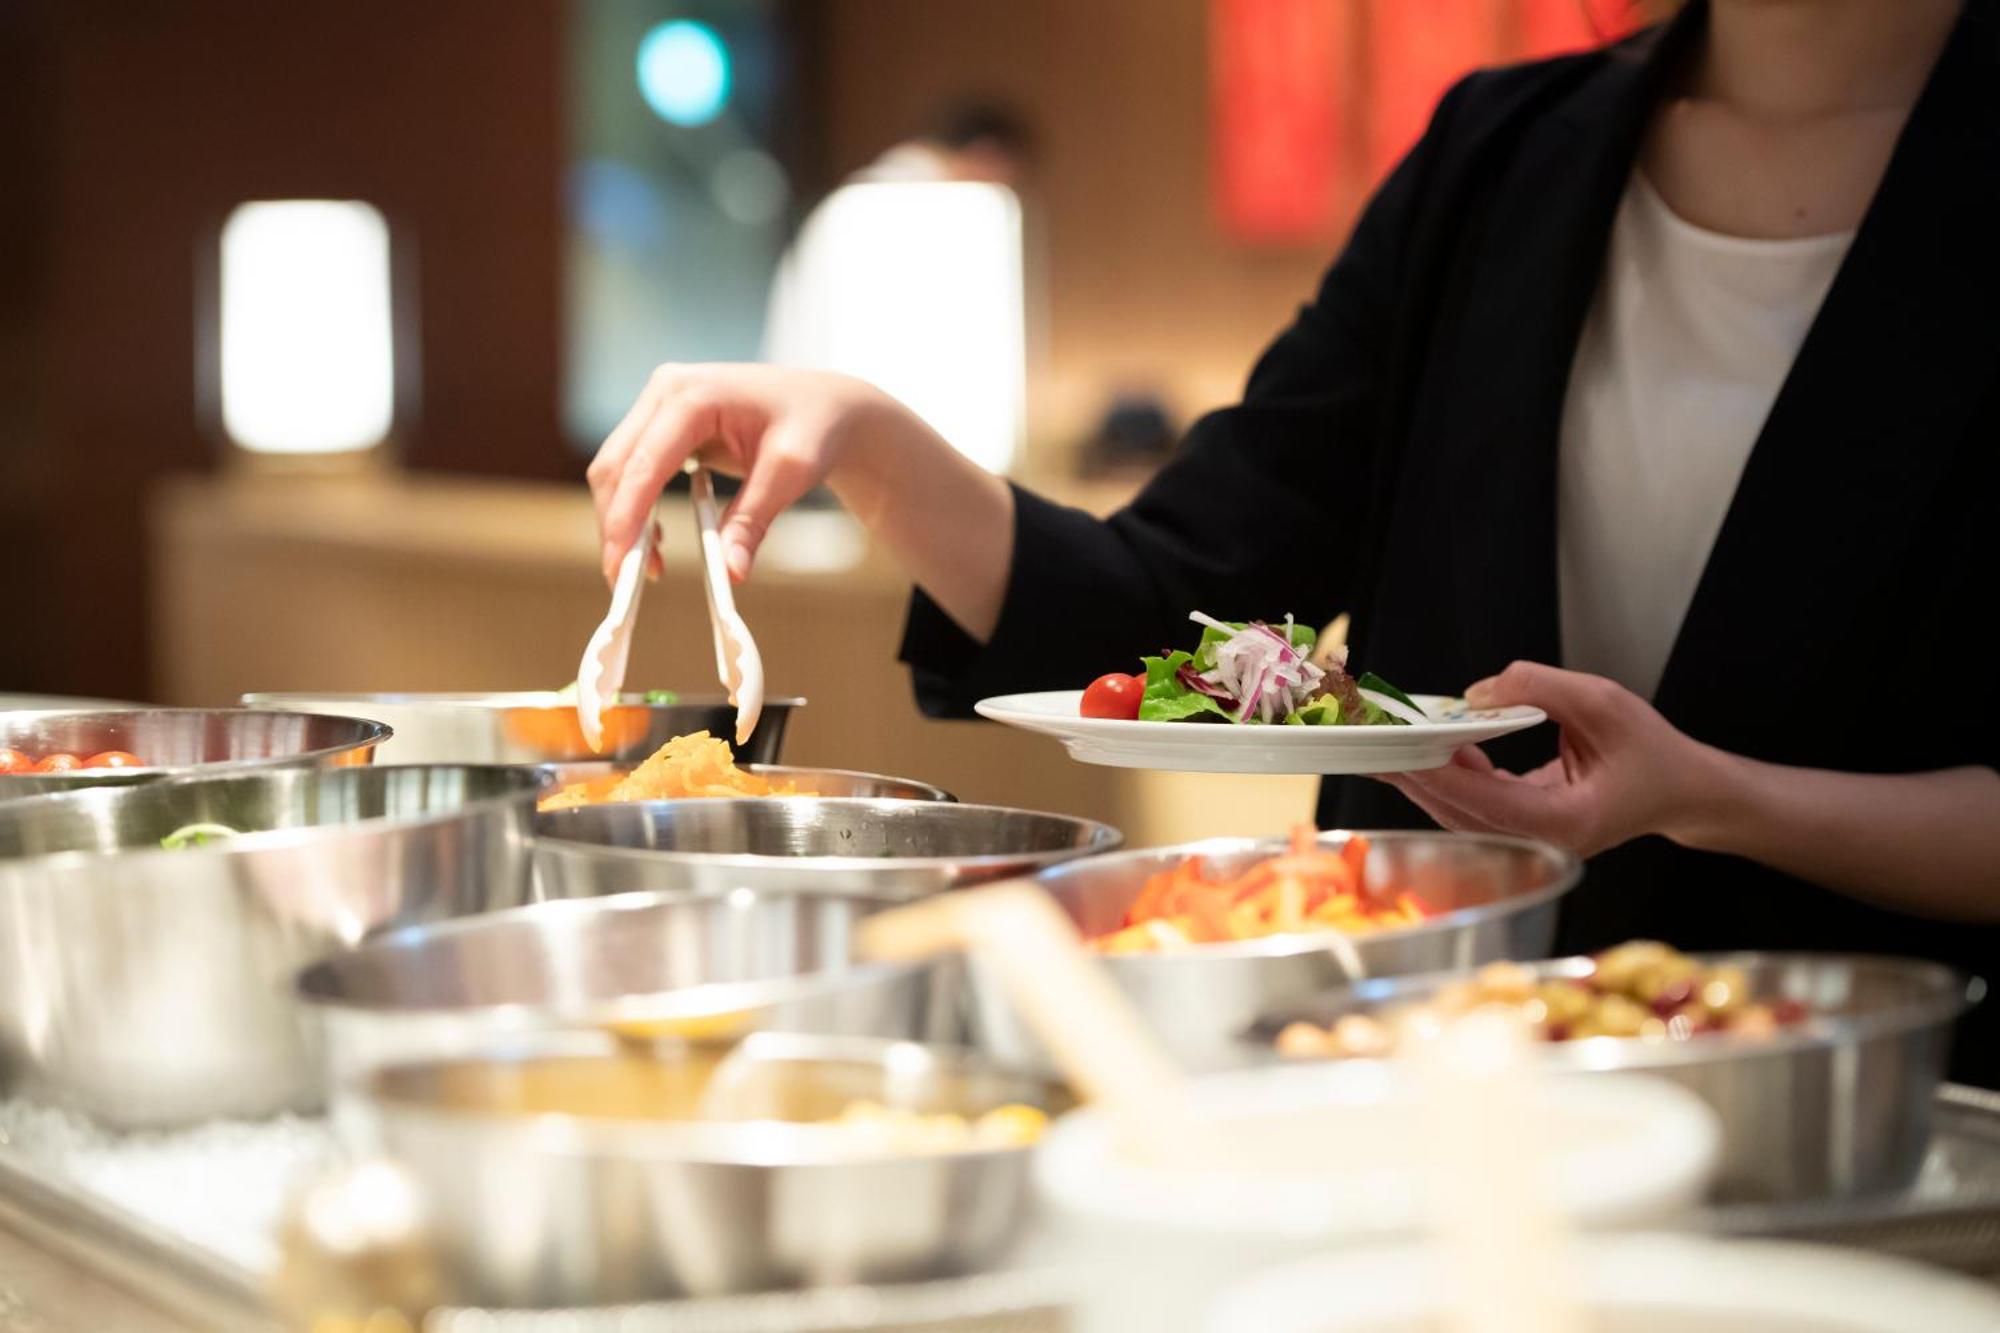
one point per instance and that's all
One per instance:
(1690, 336)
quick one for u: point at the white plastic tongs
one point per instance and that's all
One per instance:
(737, 662)
(601, 674)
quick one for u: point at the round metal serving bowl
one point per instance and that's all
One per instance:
(1836, 1107)
(177, 742)
(572, 1178)
(881, 848)
(702, 967)
(818, 781)
(1496, 898)
(540, 726)
(148, 986)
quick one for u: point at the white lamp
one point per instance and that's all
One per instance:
(308, 363)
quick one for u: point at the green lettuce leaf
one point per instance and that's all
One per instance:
(1370, 681)
(1166, 699)
(1321, 712)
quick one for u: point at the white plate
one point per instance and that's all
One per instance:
(1218, 747)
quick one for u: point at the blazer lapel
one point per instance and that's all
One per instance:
(1532, 262)
(1855, 451)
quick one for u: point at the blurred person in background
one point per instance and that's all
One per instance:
(911, 276)
(1675, 363)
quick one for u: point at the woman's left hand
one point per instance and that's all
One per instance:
(1623, 770)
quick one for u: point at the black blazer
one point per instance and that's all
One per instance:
(1394, 455)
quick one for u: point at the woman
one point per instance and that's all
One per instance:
(1675, 363)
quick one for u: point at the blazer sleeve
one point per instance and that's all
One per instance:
(1259, 515)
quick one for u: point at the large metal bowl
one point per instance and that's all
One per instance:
(879, 848)
(534, 1204)
(153, 987)
(818, 781)
(700, 966)
(179, 742)
(1497, 898)
(1835, 1108)
(540, 726)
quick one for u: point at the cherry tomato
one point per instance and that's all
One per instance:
(1115, 695)
(15, 761)
(114, 759)
(58, 763)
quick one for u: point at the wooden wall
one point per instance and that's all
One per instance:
(152, 120)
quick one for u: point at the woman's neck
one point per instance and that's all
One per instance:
(1786, 60)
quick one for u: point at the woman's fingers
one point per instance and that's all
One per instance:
(1572, 698)
(1476, 759)
(1556, 812)
(679, 425)
(785, 470)
(1447, 815)
(609, 463)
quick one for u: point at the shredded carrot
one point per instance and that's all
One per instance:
(1308, 887)
(694, 765)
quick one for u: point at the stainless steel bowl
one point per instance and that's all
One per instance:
(880, 848)
(540, 726)
(1835, 1108)
(818, 781)
(701, 966)
(1497, 897)
(153, 987)
(627, 1204)
(177, 742)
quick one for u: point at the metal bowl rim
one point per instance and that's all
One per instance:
(1949, 993)
(1566, 867)
(278, 839)
(1098, 830)
(941, 797)
(378, 733)
(311, 984)
(262, 700)
(580, 1137)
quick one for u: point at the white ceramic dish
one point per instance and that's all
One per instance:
(1196, 747)
(1631, 1284)
(1334, 1162)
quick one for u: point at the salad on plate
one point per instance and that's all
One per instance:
(1251, 673)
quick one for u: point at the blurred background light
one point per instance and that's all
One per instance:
(307, 360)
(684, 72)
(750, 187)
(917, 288)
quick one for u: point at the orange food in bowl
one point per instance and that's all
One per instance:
(1309, 888)
(697, 764)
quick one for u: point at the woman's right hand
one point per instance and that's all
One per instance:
(783, 431)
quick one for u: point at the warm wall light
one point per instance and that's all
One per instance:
(308, 362)
(916, 287)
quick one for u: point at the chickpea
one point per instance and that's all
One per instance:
(1305, 1041)
(1509, 983)
(1618, 968)
(1618, 1016)
(1358, 1036)
(1670, 978)
(1565, 1003)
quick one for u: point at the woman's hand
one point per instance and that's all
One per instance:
(1623, 770)
(947, 520)
(1924, 843)
(783, 431)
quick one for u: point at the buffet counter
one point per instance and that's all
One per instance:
(387, 581)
